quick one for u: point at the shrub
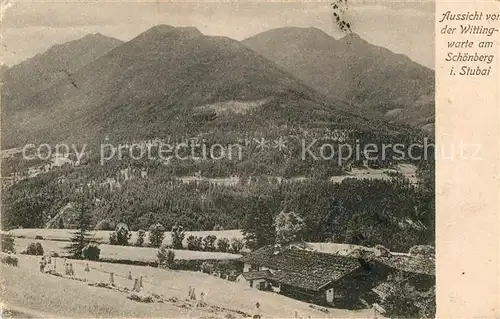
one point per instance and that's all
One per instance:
(223, 244)
(194, 243)
(113, 240)
(35, 249)
(156, 234)
(401, 302)
(140, 238)
(7, 243)
(237, 245)
(9, 259)
(140, 297)
(178, 235)
(165, 257)
(104, 225)
(91, 252)
(39, 237)
(120, 236)
(209, 243)
(218, 227)
(207, 267)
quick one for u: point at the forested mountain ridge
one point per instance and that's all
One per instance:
(351, 69)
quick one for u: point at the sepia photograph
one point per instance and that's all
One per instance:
(218, 159)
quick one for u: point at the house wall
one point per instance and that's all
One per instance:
(242, 280)
(251, 283)
(246, 267)
(317, 297)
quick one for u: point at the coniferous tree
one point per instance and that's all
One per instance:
(258, 229)
(82, 237)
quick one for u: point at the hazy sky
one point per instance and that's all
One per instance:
(32, 27)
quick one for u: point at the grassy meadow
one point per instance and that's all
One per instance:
(63, 297)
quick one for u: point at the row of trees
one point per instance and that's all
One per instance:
(121, 236)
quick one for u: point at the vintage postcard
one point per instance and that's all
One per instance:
(237, 159)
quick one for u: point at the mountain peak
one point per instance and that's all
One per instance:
(352, 38)
(168, 30)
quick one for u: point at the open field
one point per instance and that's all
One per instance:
(102, 236)
(407, 170)
(112, 252)
(61, 296)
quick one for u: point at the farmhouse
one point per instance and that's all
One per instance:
(309, 275)
(418, 271)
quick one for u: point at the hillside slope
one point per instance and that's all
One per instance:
(160, 83)
(353, 70)
(22, 81)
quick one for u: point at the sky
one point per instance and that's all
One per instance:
(30, 27)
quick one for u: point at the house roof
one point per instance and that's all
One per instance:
(417, 265)
(302, 268)
(252, 275)
(300, 280)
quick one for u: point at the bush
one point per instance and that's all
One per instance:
(104, 225)
(140, 238)
(38, 237)
(178, 235)
(237, 245)
(35, 249)
(207, 267)
(156, 234)
(91, 252)
(165, 257)
(209, 243)
(401, 302)
(120, 236)
(223, 244)
(113, 240)
(7, 243)
(218, 227)
(194, 243)
(140, 297)
(9, 259)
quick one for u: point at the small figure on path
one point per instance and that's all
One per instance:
(87, 269)
(189, 293)
(71, 271)
(129, 275)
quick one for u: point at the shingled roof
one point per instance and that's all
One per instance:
(302, 268)
(253, 275)
(416, 265)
